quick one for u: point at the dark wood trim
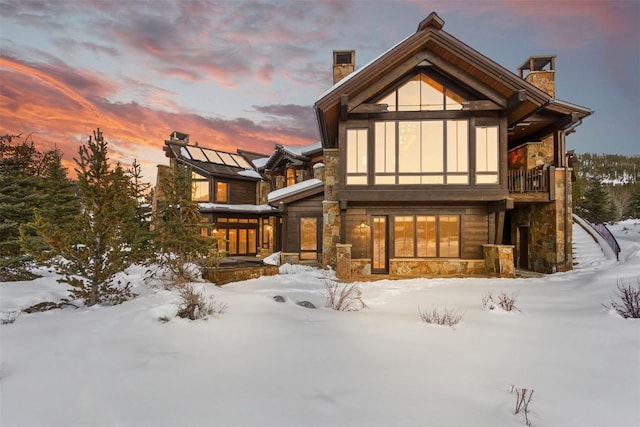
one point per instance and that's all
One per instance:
(424, 193)
(515, 100)
(560, 124)
(480, 105)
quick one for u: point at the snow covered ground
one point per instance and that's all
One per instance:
(265, 363)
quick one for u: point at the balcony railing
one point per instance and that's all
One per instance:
(529, 180)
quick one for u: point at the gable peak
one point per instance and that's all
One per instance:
(431, 21)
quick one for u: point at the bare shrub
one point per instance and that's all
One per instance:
(195, 305)
(628, 300)
(344, 296)
(523, 398)
(504, 301)
(448, 317)
(9, 317)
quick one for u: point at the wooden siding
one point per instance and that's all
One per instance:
(241, 192)
(309, 207)
(475, 233)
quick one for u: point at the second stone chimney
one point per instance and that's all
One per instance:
(344, 62)
(541, 71)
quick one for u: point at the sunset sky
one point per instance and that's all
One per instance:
(240, 74)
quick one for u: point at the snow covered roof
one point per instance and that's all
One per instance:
(250, 173)
(294, 189)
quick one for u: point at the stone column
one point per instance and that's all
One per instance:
(280, 181)
(330, 208)
(343, 262)
(498, 260)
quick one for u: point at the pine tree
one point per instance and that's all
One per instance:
(20, 167)
(597, 201)
(177, 225)
(60, 205)
(105, 240)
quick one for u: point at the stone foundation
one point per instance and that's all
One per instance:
(227, 275)
(412, 267)
(360, 267)
(289, 258)
(498, 260)
(343, 262)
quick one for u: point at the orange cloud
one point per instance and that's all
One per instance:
(61, 110)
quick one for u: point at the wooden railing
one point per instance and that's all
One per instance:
(528, 180)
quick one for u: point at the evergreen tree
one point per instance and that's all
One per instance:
(177, 226)
(104, 240)
(20, 167)
(60, 205)
(597, 201)
(633, 210)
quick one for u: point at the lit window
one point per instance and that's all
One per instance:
(222, 192)
(422, 93)
(487, 155)
(357, 156)
(413, 152)
(291, 177)
(427, 236)
(308, 238)
(199, 188)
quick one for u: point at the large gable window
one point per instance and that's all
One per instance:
(422, 93)
(421, 152)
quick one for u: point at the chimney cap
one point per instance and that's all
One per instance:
(538, 63)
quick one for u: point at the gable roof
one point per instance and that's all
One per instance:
(431, 46)
(295, 154)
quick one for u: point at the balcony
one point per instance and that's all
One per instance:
(531, 185)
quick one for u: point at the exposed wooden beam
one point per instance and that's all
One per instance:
(515, 100)
(370, 108)
(465, 78)
(344, 103)
(480, 105)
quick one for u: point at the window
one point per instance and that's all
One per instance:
(357, 156)
(308, 238)
(422, 93)
(291, 177)
(239, 236)
(413, 152)
(222, 192)
(487, 155)
(199, 188)
(427, 236)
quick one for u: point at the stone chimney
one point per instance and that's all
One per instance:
(344, 62)
(541, 71)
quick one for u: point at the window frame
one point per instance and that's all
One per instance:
(440, 248)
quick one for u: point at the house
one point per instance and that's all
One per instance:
(231, 194)
(440, 162)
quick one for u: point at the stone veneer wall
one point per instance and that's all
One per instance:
(227, 275)
(550, 224)
(436, 268)
(498, 260)
(543, 80)
(330, 207)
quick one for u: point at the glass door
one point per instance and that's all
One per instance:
(379, 260)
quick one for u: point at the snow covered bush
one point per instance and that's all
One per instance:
(628, 304)
(195, 305)
(523, 398)
(344, 296)
(448, 317)
(9, 317)
(504, 301)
